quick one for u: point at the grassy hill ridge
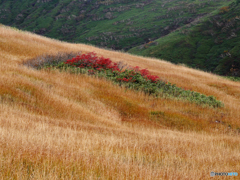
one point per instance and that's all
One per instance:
(57, 125)
(212, 44)
(121, 24)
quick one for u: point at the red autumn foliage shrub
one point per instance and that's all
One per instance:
(145, 73)
(126, 79)
(152, 78)
(91, 60)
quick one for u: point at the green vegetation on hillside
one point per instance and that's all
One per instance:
(212, 44)
(120, 24)
(130, 77)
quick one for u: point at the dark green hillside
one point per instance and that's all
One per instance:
(212, 44)
(117, 24)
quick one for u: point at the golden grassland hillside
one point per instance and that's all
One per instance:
(56, 125)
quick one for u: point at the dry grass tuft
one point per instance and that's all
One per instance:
(57, 125)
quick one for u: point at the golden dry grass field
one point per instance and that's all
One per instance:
(56, 125)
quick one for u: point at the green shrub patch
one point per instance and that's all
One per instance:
(130, 77)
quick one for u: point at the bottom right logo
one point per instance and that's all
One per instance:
(212, 174)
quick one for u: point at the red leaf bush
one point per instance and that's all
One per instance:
(145, 73)
(91, 60)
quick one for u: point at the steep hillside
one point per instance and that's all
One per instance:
(212, 44)
(120, 24)
(57, 125)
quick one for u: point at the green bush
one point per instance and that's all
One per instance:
(139, 80)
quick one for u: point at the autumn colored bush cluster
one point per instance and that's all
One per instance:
(145, 73)
(91, 60)
(131, 78)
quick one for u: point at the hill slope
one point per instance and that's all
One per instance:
(120, 24)
(211, 44)
(56, 125)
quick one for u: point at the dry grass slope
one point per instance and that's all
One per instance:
(60, 126)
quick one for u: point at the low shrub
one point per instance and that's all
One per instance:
(49, 60)
(130, 77)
